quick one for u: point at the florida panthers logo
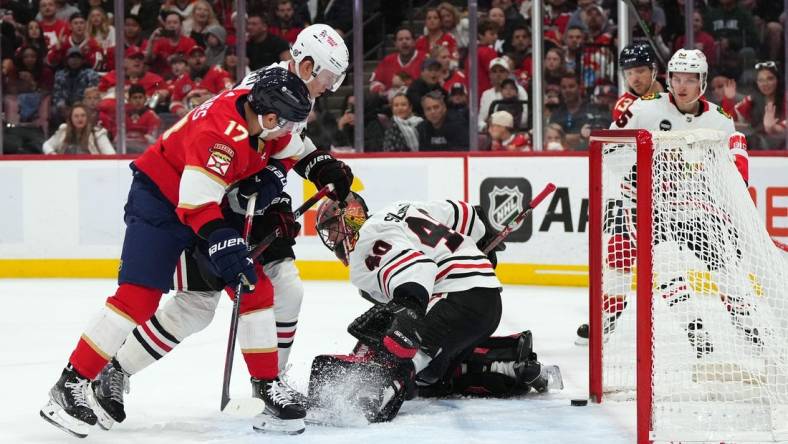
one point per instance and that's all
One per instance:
(505, 203)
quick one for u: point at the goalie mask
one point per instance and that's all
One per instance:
(338, 225)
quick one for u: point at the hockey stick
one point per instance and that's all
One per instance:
(228, 357)
(258, 250)
(517, 218)
(647, 32)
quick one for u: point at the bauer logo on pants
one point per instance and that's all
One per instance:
(502, 198)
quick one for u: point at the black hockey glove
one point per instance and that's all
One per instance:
(268, 183)
(370, 327)
(279, 218)
(227, 251)
(489, 234)
(321, 168)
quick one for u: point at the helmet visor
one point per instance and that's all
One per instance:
(329, 80)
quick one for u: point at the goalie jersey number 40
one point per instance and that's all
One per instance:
(429, 243)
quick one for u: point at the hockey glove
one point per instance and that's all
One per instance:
(371, 326)
(268, 183)
(401, 338)
(489, 235)
(279, 218)
(227, 251)
(321, 168)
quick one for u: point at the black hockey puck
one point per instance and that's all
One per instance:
(579, 402)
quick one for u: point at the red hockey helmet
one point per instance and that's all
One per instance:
(338, 224)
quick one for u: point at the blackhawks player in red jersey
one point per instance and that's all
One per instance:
(320, 59)
(638, 64)
(174, 201)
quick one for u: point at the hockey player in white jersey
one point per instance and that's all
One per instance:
(704, 232)
(437, 294)
(320, 58)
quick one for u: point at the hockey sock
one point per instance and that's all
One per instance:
(257, 338)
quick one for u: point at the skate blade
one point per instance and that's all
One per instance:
(102, 418)
(269, 424)
(554, 379)
(54, 414)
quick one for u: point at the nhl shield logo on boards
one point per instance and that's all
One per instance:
(502, 198)
(505, 202)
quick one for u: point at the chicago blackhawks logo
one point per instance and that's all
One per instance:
(220, 158)
(505, 203)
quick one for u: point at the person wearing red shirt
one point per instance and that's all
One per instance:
(136, 74)
(406, 59)
(76, 37)
(167, 41)
(132, 34)
(448, 75)
(435, 35)
(488, 34)
(200, 83)
(53, 28)
(703, 40)
(142, 124)
(284, 24)
(502, 135)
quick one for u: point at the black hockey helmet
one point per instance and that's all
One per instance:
(279, 91)
(338, 224)
(638, 54)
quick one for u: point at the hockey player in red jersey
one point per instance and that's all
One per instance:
(320, 59)
(437, 299)
(174, 201)
(638, 64)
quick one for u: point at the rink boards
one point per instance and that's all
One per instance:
(64, 217)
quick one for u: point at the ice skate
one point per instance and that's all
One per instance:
(108, 390)
(283, 412)
(69, 406)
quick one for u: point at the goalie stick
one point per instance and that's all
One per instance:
(258, 250)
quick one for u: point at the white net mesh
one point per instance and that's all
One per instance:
(720, 294)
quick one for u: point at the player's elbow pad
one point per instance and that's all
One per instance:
(413, 296)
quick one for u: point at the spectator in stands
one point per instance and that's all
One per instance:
(718, 83)
(429, 80)
(62, 10)
(576, 19)
(399, 84)
(573, 114)
(262, 48)
(167, 41)
(284, 24)
(76, 38)
(458, 101)
(132, 37)
(178, 69)
(373, 130)
(557, 15)
(500, 70)
(34, 37)
(512, 15)
(502, 136)
(86, 5)
(201, 18)
(52, 27)
(573, 43)
(732, 27)
(136, 72)
(488, 34)
(337, 14)
(403, 134)
(496, 16)
(453, 23)
(449, 75)
(91, 101)
(78, 135)
(554, 68)
(30, 59)
(511, 102)
(766, 15)
(597, 25)
(435, 36)
(147, 11)
(25, 104)
(520, 54)
(652, 15)
(405, 59)
(763, 110)
(215, 45)
(230, 64)
(441, 130)
(703, 40)
(201, 83)
(554, 138)
(100, 28)
(552, 101)
(71, 81)
(184, 8)
(142, 124)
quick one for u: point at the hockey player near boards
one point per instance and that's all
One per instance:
(704, 233)
(174, 200)
(320, 59)
(437, 297)
(638, 65)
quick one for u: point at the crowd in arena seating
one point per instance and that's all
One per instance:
(59, 70)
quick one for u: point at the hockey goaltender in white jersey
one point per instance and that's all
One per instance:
(432, 243)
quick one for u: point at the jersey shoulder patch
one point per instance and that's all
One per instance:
(651, 96)
(723, 112)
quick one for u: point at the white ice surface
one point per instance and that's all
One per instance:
(176, 400)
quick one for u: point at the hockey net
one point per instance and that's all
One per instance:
(688, 293)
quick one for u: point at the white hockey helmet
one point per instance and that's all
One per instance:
(328, 52)
(691, 61)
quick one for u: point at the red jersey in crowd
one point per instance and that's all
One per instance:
(150, 81)
(214, 80)
(90, 48)
(111, 53)
(289, 35)
(423, 44)
(53, 31)
(456, 76)
(485, 56)
(391, 65)
(163, 48)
